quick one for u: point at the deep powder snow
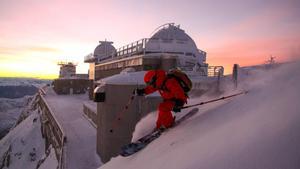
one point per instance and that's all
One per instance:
(257, 130)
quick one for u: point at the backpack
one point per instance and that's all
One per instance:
(184, 81)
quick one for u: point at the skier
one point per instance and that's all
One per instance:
(172, 92)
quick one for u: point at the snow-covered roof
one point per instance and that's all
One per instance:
(124, 78)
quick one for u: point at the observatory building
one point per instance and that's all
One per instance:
(169, 47)
(67, 69)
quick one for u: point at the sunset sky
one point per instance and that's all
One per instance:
(36, 34)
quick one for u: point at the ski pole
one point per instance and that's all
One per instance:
(120, 113)
(222, 98)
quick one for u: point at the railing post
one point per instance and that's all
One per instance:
(235, 75)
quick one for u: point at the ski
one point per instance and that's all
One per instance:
(141, 143)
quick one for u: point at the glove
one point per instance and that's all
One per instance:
(176, 109)
(178, 105)
(140, 92)
(178, 102)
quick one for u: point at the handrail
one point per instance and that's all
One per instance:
(62, 135)
(134, 48)
(215, 71)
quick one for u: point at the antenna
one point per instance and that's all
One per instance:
(161, 26)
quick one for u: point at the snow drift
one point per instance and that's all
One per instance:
(257, 130)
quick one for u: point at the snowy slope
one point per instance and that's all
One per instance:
(257, 130)
(23, 147)
(10, 110)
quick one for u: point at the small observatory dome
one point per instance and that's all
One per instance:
(104, 50)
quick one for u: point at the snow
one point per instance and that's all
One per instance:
(256, 130)
(15, 93)
(81, 135)
(10, 110)
(50, 161)
(137, 78)
(25, 144)
(125, 78)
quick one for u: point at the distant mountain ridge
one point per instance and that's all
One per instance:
(16, 81)
(19, 87)
(13, 92)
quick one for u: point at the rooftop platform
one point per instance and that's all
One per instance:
(81, 135)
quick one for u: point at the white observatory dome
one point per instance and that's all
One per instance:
(171, 32)
(169, 38)
(104, 50)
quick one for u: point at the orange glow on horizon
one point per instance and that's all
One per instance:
(246, 33)
(19, 74)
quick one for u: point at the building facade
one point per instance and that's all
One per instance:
(169, 47)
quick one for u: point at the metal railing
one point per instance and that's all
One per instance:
(134, 48)
(131, 49)
(215, 71)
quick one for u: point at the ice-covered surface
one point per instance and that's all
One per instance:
(81, 135)
(257, 130)
(24, 145)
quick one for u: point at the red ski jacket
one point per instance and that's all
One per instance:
(169, 88)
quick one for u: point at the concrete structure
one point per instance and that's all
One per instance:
(116, 123)
(67, 69)
(101, 52)
(71, 86)
(90, 112)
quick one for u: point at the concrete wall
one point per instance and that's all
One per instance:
(90, 112)
(163, 62)
(116, 99)
(71, 86)
(99, 73)
(108, 112)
